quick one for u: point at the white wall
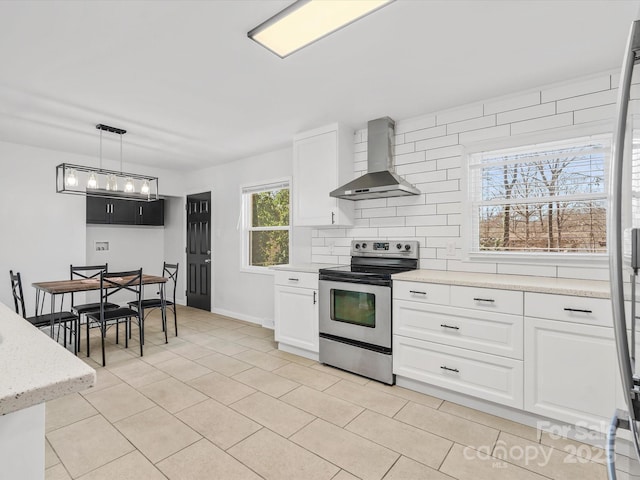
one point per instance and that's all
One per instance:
(174, 241)
(247, 296)
(428, 153)
(43, 231)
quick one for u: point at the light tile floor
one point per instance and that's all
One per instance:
(221, 402)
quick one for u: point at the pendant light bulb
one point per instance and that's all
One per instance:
(145, 188)
(112, 183)
(93, 181)
(128, 186)
(71, 179)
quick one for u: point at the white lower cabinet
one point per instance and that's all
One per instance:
(490, 377)
(296, 315)
(570, 372)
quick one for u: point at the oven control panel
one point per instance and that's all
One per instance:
(385, 248)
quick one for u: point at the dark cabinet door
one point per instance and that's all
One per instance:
(98, 210)
(123, 212)
(150, 213)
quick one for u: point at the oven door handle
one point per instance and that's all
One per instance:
(378, 282)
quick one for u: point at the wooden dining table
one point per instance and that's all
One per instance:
(62, 287)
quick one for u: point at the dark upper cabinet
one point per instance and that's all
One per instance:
(116, 211)
(150, 213)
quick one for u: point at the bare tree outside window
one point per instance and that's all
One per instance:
(267, 225)
(541, 198)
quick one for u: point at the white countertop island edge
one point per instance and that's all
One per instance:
(35, 368)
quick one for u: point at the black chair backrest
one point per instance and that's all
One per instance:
(18, 296)
(114, 282)
(86, 272)
(170, 271)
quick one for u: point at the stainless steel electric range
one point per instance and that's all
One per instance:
(355, 307)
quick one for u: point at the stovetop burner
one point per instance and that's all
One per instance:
(375, 260)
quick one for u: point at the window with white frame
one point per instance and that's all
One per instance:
(266, 224)
(544, 198)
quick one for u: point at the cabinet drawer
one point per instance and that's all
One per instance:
(492, 378)
(421, 292)
(487, 299)
(495, 333)
(592, 311)
(296, 279)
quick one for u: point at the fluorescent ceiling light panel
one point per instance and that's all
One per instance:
(306, 21)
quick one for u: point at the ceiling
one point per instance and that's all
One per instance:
(193, 91)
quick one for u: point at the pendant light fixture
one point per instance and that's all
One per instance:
(98, 182)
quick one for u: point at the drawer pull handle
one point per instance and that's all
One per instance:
(293, 279)
(444, 325)
(490, 300)
(579, 310)
(417, 292)
(443, 367)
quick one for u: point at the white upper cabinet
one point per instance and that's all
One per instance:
(322, 161)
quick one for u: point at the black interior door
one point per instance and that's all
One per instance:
(199, 251)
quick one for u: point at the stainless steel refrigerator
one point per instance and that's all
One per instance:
(623, 443)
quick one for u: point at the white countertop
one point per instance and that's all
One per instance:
(34, 367)
(559, 286)
(304, 267)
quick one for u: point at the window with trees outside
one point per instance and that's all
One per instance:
(544, 198)
(266, 224)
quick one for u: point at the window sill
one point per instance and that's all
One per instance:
(258, 270)
(599, 260)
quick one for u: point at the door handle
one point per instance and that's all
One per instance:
(314, 297)
(207, 260)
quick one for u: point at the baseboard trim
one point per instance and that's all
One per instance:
(298, 351)
(263, 322)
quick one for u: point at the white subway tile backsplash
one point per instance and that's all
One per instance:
(604, 112)
(449, 162)
(426, 220)
(543, 110)
(444, 197)
(573, 89)
(429, 152)
(457, 265)
(361, 232)
(360, 147)
(511, 103)
(426, 177)
(437, 142)
(536, 270)
(417, 210)
(416, 123)
(587, 101)
(544, 123)
(454, 173)
(397, 232)
(438, 231)
(404, 148)
(458, 114)
(417, 167)
(443, 186)
(485, 134)
(445, 152)
(387, 222)
(449, 208)
(371, 203)
(414, 157)
(403, 201)
(379, 212)
(425, 134)
(473, 124)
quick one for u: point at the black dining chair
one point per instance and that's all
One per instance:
(170, 272)
(110, 284)
(65, 319)
(87, 272)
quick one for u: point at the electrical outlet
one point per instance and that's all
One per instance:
(451, 249)
(330, 245)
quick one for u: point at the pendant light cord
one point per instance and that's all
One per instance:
(120, 153)
(100, 149)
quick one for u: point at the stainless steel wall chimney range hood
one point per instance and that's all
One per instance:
(380, 181)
